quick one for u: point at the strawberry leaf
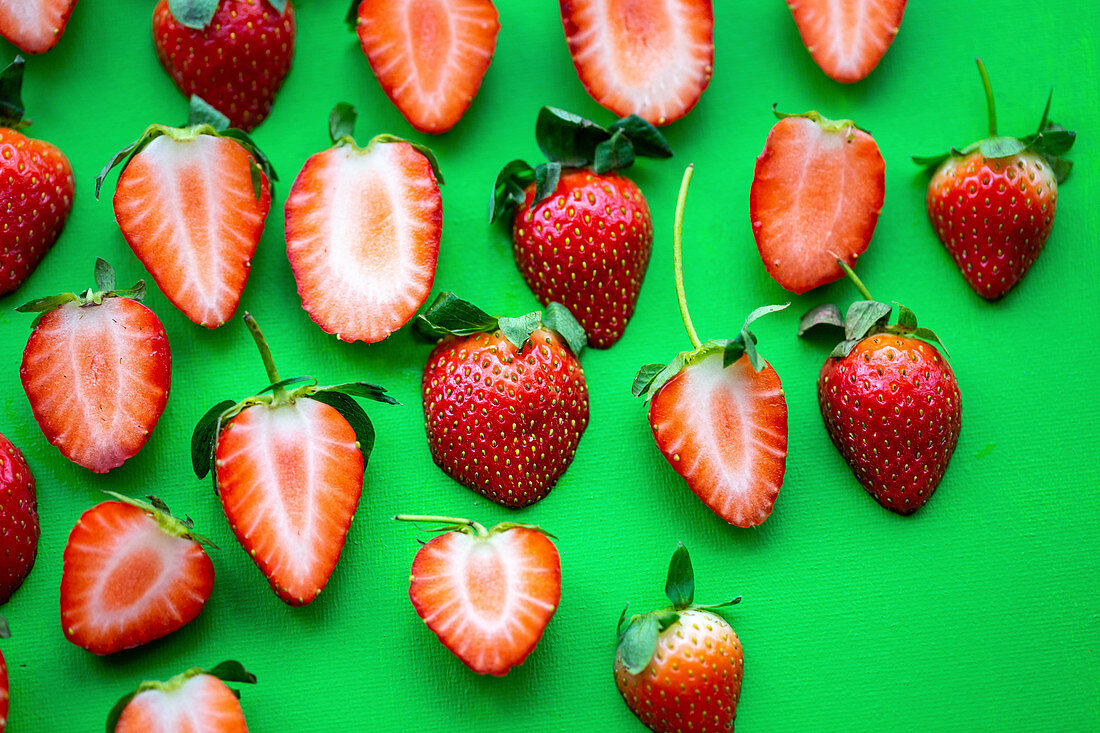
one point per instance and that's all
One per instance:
(639, 643)
(826, 314)
(11, 98)
(1001, 147)
(647, 140)
(104, 275)
(341, 122)
(246, 142)
(645, 377)
(204, 438)
(5, 632)
(518, 330)
(907, 320)
(422, 149)
(680, 583)
(284, 383)
(362, 389)
(195, 14)
(863, 315)
(547, 176)
(278, 5)
(356, 417)
(47, 304)
(566, 138)
(931, 161)
(844, 348)
(450, 315)
(202, 112)
(509, 189)
(352, 17)
(558, 318)
(653, 386)
(232, 671)
(1061, 168)
(613, 154)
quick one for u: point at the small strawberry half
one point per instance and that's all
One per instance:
(195, 700)
(718, 413)
(647, 57)
(288, 466)
(131, 573)
(97, 370)
(36, 187)
(680, 668)
(429, 57)
(992, 204)
(816, 195)
(362, 232)
(191, 202)
(235, 54)
(18, 520)
(35, 26)
(486, 594)
(847, 39)
(505, 401)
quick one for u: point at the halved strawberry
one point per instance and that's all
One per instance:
(35, 26)
(847, 39)
(429, 57)
(816, 195)
(487, 594)
(362, 232)
(196, 700)
(131, 573)
(650, 57)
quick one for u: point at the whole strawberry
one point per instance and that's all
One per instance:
(890, 401)
(581, 232)
(36, 188)
(198, 699)
(992, 204)
(505, 400)
(235, 54)
(18, 520)
(680, 668)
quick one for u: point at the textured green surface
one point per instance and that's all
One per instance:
(980, 612)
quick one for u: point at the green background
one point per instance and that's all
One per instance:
(980, 612)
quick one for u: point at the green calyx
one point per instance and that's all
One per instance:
(341, 130)
(466, 526)
(11, 95)
(570, 141)
(826, 124)
(159, 511)
(638, 640)
(228, 671)
(104, 288)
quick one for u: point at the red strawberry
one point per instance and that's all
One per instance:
(97, 370)
(35, 26)
(288, 466)
(718, 413)
(4, 694)
(816, 195)
(232, 53)
(362, 232)
(429, 58)
(486, 594)
(18, 520)
(36, 187)
(131, 573)
(847, 39)
(196, 700)
(992, 204)
(680, 668)
(889, 400)
(653, 59)
(191, 203)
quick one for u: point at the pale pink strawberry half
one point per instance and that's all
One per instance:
(202, 703)
(35, 26)
(847, 38)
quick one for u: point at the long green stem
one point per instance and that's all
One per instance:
(678, 257)
(265, 354)
(855, 279)
(988, 99)
(449, 521)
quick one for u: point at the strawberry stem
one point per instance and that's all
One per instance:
(279, 393)
(447, 521)
(678, 257)
(988, 99)
(855, 279)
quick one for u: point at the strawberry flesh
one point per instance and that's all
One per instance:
(35, 26)
(19, 529)
(847, 39)
(201, 703)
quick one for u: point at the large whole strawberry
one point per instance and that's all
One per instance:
(18, 520)
(35, 26)
(847, 39)
(992, 203)
(195, 700)
(36, 188)
(505, 401)
(718, 413)
(680, 668)
(232, 53)
(288, 466)
(191, 202)
(581, 232)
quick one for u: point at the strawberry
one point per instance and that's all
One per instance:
(235, 54)
(992, 204)
(35, 26)
(680, 668)
(131, 573)
(486, 594)
(362, 232)
(4, 692)
(847, 39)
(191, 202)
(429, 58)
(647, 58)
(505, 401)
(889, 400)
(291, 515)
(582, 233)
(718, 412)
(36, 187)
(196, 700)
(96, 369)
(816, 195)
(18, 520)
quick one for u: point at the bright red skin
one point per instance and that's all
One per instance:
(237, 63)
(587, 247)
(36, 196)
(893, 410)
(504, 426)
(18, 519)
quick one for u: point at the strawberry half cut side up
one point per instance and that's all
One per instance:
(362, 232)
(486, 594)
(195, 700)
(131, 573)
(288, 467)
(847, 39)
(34, 26)
(718, 412)
(992, 204)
